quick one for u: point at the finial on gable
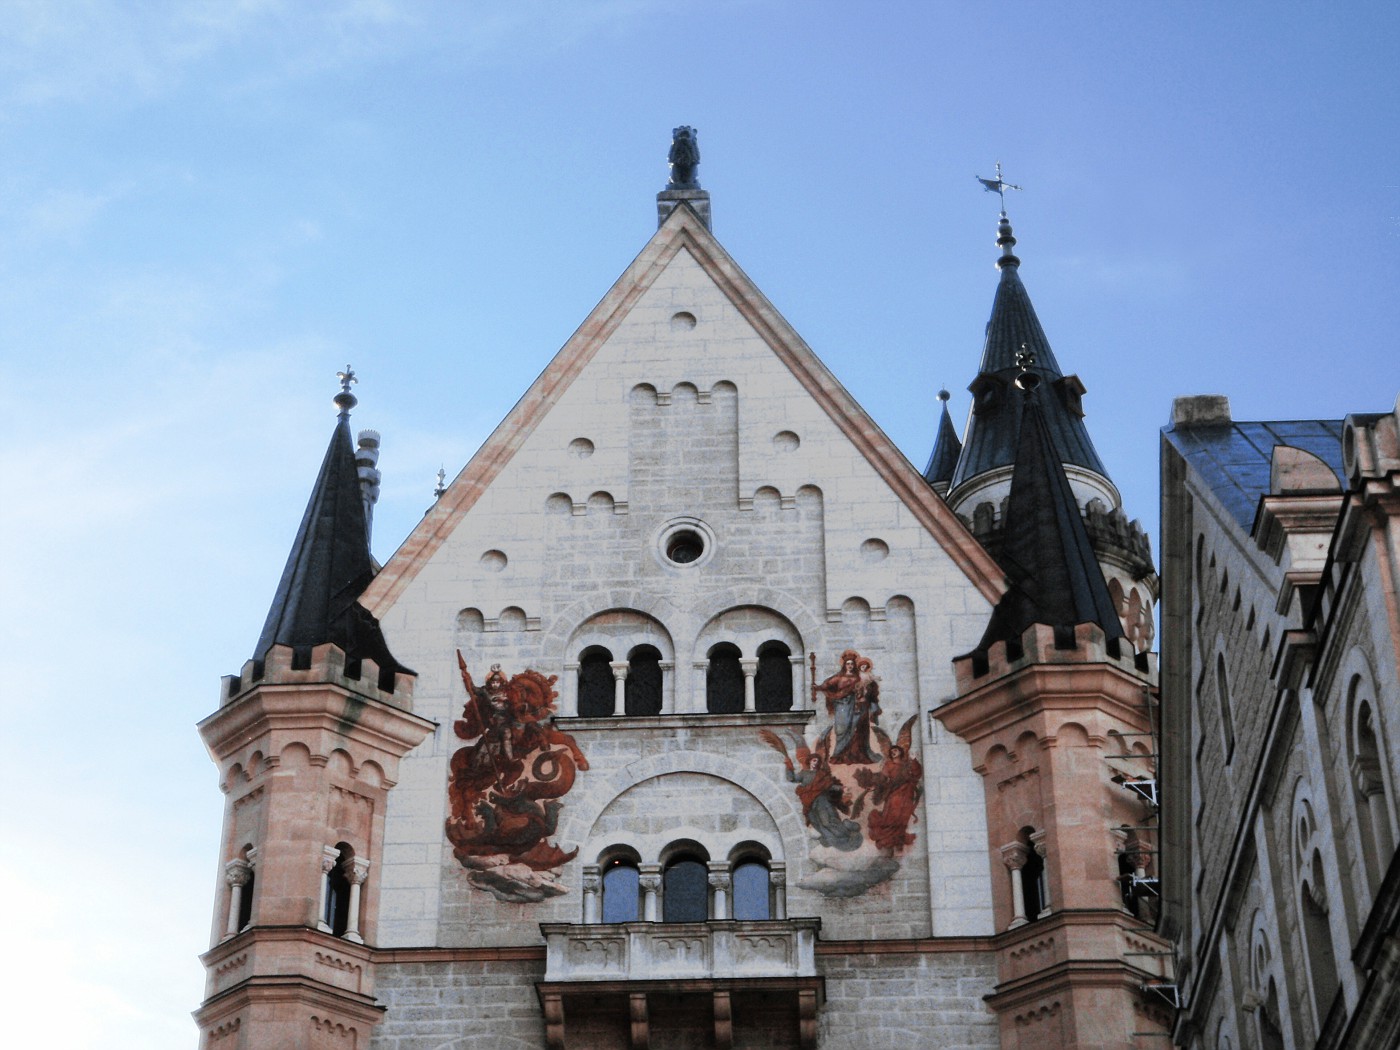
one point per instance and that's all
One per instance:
(684, 183)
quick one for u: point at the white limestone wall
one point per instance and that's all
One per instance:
(669, 420)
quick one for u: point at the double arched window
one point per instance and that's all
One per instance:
(734, 684)
(632, 687)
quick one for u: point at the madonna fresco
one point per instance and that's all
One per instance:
(859, 789)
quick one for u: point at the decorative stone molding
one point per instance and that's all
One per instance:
(649, 951)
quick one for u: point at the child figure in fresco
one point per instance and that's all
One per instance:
(853, 702)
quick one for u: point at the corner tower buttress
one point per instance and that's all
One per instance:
(308, 740)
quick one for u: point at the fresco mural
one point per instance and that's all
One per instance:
(505, 785)
(859, 789)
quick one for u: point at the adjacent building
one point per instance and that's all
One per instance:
(1281, 712)
(693, 714)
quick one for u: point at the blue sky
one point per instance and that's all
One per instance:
(207, 209)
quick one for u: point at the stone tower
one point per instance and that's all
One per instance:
(724, 730)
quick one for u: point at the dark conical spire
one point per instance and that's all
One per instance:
(946, 450)
(1054, 574)
(995, 425)
(329, 566)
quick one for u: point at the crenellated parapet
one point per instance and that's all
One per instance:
(308, 746)
(1081, 650)
(323, 664)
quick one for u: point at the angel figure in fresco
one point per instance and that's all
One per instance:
(505, 784)
(853, 702)
(894, 789)
(824, 800)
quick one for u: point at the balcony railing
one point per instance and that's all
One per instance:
(680, 951)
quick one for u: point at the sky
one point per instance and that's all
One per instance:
(207, 209)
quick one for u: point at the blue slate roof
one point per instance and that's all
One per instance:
(1233, 459)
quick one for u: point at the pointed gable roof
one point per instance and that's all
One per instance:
(328, 568)
(683, 231)
(946, 449)
(1054, 575)
(996, 415)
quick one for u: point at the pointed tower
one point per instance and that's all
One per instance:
(946, 451)
(980, 483)
(1058, 713)
(308, 741)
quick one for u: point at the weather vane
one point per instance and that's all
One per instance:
(346, 378)
(998, 185)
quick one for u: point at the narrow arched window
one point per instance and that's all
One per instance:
(620, 892)
(1222, 694)
(596, 692)
(245, 901)
(1033, 884)
(751, 896)
(1368, 785)
(773, 683)
(724, 681)
(337, 915)
(1317, 933)
(685, 891)
(642, 691)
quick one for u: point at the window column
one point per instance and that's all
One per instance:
(330, 857)
(359, 870)
(619, 671)
(237, 873)
(777, 877)
(650, 881)
(592, 882)
(1014, 855)
(749, 665)
(719, 884)
(1038, 844)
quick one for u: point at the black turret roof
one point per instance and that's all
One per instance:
(946, 449)
(1054, 575)
(995, 425)
(328, 569)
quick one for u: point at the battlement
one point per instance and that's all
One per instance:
(1111, 534)
(319, 665)
(1044, 644)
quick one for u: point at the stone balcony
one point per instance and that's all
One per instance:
(681, 951)
(681, 983)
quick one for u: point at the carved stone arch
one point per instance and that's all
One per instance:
(1366, 771)
(578, 820)
(748, 626)
(782, 604)
(556, 641)
(1072, 734)
(643, 393)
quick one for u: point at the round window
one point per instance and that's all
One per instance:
(687, 542)
(685, 547)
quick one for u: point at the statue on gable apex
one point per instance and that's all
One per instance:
(684, 158)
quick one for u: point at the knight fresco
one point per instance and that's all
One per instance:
(505, 785)
(859, 789)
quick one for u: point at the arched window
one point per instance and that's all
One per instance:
(337, 915)
(751, 890)
(1369, 788)
(1222, 694)
(1126, 871)
(1033, 878)
(621, 891)
(773, 683)
(596, 692)
(245, 900)
(685, 890)
(1317, 933)
(642, 692)
(724, 681)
